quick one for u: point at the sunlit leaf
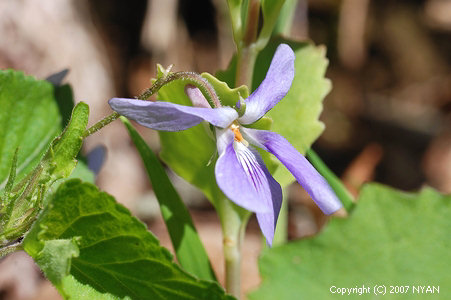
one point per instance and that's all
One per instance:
(392, 238)
(117, 254)
(29, 120)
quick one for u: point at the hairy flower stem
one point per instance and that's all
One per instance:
(102, 123)
(189, 77)
(233, 223)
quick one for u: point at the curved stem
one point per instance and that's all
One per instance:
(190, 78)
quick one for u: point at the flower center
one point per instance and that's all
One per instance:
(236, 131)
(238, 137)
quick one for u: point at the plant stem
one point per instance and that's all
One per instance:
(233, 223)
(247, 52)
(245, 66)
(189, 78)
(102, 123)
(253, 12)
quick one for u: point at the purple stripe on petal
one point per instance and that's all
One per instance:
(273, 88)
(168, 116)
(299, 166)
(244, 179)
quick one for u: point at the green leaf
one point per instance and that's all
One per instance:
(55, 260)
(74, 290)
(55, 257)
(296, 115)
(188, 247)
(117, 254)
(392, 238)
(29, 119)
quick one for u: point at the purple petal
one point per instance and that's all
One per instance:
(273, 88)
(244, 179)
(298, 165)
(170, 116)
(196, 96)
(268, 221)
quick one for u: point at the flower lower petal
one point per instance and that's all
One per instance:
(244, 178)
(268, 221)
(169, 116)
(273, 88)
(299, 166)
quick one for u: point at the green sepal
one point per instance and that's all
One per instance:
(227, 95)
(60, 158)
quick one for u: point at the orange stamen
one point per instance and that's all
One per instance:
(237, 133)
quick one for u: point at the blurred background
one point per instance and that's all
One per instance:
(388, 116)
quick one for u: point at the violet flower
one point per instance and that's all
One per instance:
(240, 171)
